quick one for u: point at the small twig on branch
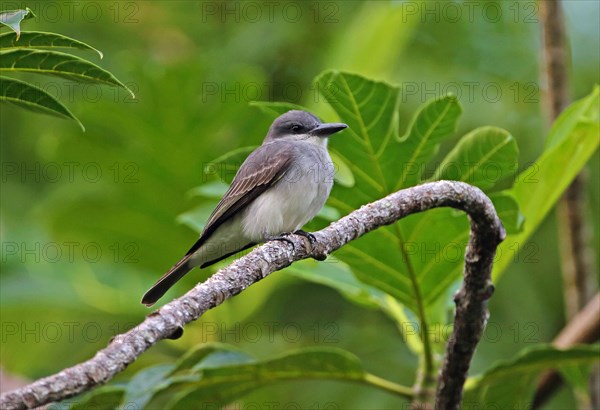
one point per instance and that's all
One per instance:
(471, 313)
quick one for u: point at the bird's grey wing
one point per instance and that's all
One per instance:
(259, 172)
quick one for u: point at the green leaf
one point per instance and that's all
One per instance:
(103, 398)
(13, 18)
(141, 387)
(481, 158)
(211, 355)
(540, 186)
(511, 384)
(226, 166)
(433, 246)
(337, 275)
(370, 109)
(275, 109)
(508, 210)
(343, 173)
(370, 149)
(37, 39)
(33, 98)
(214, 189)
(429, 127)
(329, 214)
(578, 378)
(436, 256)
(219, 374)
(583, 110)
(56, 63)
(196, 218)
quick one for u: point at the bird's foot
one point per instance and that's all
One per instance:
(176, 334)
(311, 239)
(283, 237)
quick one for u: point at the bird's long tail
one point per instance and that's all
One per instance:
(167, 281)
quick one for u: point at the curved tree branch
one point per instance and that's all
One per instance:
(471, 312)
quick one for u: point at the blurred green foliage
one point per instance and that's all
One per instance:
(88, 221)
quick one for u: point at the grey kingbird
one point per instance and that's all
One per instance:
(279, 188)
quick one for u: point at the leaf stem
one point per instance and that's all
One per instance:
(389, 386)
(427, 378)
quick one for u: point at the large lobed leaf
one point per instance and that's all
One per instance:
(409, 260)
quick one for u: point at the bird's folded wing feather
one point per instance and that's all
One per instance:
(260, 171)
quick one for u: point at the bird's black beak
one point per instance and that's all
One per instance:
(325, 130)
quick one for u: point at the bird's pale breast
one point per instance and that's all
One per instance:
(295, 199)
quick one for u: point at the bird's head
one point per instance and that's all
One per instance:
(302, 126)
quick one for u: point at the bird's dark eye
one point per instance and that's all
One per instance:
(296, 128)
